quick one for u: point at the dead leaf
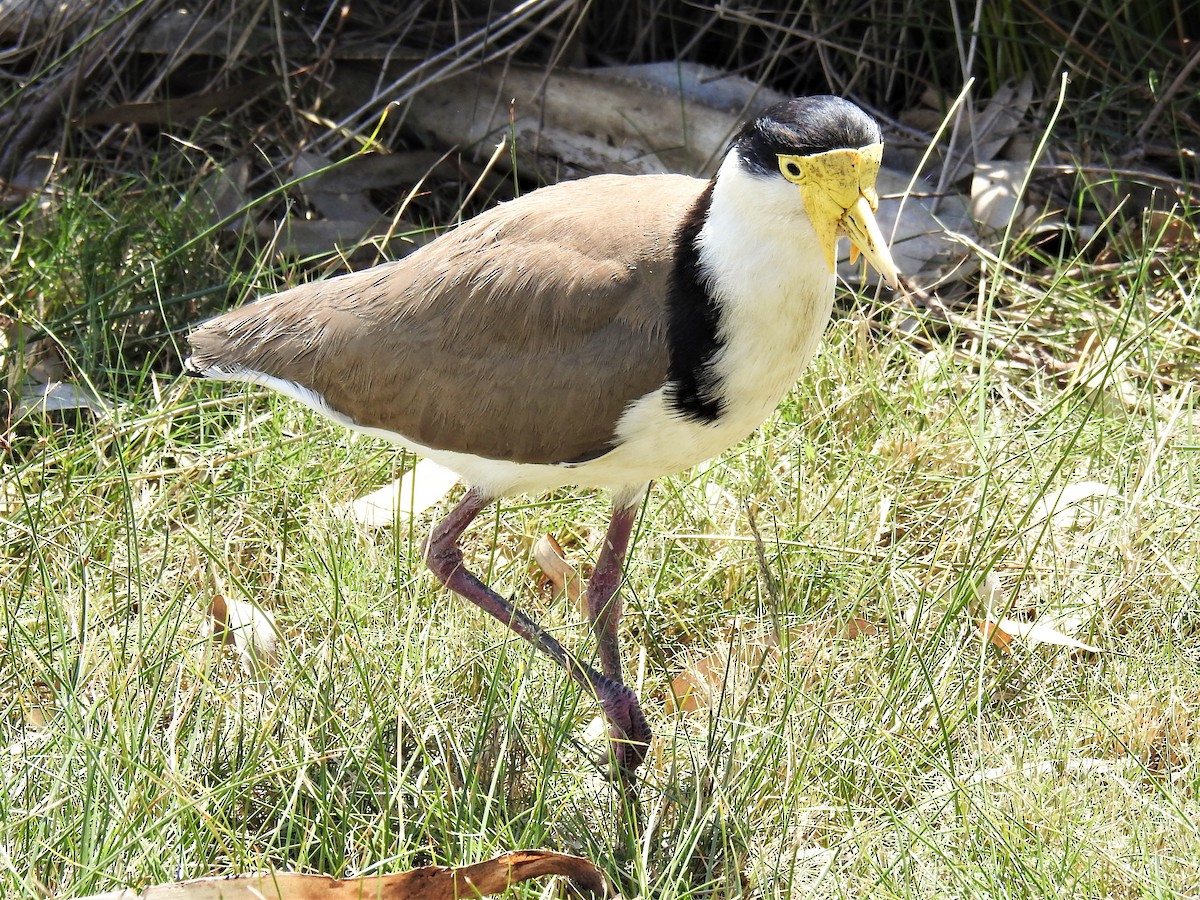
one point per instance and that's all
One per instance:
(981, 135)
(31, 179)
(919, 228)
(552, 560)
(698, 683)
(1040, 631)
(35, 712)
(299, 238)
(421, 487)
(348, 219)
(251, 630)
(694, 687)
(223, 193)
(996, 193)
(859, 627)
(364, 172)
(995, 635)
(426, 883)
(55, 396)
(1065, 507)
(1000, 121)
(1159, 230)
(991, 599)
(704, 680)
(43, 376)
(341, 201)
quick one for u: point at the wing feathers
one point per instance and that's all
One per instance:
(523, 334)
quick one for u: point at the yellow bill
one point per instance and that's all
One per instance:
(839, 195)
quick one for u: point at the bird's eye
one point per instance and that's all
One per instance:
(790, 168)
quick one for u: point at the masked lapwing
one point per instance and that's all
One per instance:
(602, 333)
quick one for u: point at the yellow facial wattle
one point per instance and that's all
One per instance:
(838, 191)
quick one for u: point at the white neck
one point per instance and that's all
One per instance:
(767, 270)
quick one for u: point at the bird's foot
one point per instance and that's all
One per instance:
(628, 731)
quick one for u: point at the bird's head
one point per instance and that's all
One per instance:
(831, 150)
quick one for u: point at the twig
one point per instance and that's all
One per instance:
(769, 583)
(1168, 95)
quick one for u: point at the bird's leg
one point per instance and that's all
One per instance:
(603, 600)
(604, 611)
(618, 702)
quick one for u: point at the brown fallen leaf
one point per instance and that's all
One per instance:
(251, 630)
(34, 711)
(1159, 230)
(692, 689)
(695, 686)
(552, 560)
(995, 635)
(859, 627)
(426, 883)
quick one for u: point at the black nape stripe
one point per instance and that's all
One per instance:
(693, 320)
(800, 127)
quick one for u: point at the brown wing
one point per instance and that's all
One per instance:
(523, 334)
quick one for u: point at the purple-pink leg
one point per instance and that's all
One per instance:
(604, 611)
(628, 729)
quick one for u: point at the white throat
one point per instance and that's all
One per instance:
(768, 272)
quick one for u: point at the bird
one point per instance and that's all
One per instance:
(600, 333)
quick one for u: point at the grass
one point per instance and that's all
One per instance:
(910, 481)
(400, 727)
